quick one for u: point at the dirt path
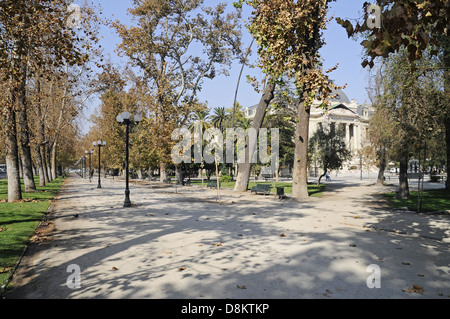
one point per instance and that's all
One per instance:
(180, 243)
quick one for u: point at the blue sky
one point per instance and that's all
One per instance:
(220, 91)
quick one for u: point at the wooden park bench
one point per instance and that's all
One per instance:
(261, 188)
(212, 183)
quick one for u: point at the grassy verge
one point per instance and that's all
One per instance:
(19, 220)
(314, 190)
(433, 200)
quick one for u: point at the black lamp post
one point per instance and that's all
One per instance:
(83, 165)
(89, 154)
(99, 144)
(77, 165)
(126, 119)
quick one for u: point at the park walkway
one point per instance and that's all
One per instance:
(180, 243)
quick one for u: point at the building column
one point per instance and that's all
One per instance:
(356, 136)
(347, 134)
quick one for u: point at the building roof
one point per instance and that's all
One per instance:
(341, 106)
(341, 98)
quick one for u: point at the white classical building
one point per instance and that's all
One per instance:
(348, 115)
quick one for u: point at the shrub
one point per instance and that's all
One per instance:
(226, 178)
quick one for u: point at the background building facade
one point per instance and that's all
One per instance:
(346, 114)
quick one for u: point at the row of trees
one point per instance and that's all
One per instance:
(410, 113)
(163, 47)
(173, 47)
(45, 50)
(176, 45)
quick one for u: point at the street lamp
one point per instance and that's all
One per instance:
(127, 119)
(83, 171)
(99, 144)
(89, 154)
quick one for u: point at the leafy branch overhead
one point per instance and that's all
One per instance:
(177, 45)
(289, 36)
(412, 24)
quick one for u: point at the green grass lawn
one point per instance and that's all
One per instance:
(18, 221)
(314, 190)
(433, 200)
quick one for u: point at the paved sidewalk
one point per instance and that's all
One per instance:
(180, 243)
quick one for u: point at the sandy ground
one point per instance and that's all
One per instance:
(181, 243)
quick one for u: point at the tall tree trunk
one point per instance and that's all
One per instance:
(320, 177)
(244, 168)
(53, 160)
(300, 170)
(19, 158)
(44, 171)
(27, 169)
(139, 173)
(447, 139)
(244, 62)
(179, 174)
(12, 156)
(382, 167)
(10, 131)
(162, 172)
(403, 191)
(446, 62)
(37, 149)
(39, 137)
(47, 162)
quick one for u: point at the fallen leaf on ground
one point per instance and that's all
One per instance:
(282, 235)
(115, 268)
(218, 244)
(415, 288)
(241, 287)
(406, 263)
(181, 268)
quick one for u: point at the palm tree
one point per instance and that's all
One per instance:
(201, 116)
(244, 123)
(219, 116)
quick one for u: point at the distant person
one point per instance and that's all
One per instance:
(328, 176)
